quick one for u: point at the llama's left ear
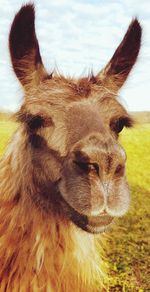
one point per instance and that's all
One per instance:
(24, 47)
(116, 71)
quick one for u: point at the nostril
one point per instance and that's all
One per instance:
(96, 166)
(119, 171)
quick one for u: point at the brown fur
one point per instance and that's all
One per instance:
(62, 177)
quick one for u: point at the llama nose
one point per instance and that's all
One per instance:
(115, 168)
(112, 162)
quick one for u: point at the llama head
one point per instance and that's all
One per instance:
(72, 128)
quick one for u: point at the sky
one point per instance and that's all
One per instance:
(76, 36)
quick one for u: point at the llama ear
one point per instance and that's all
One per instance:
(24, 47)
(116, 71)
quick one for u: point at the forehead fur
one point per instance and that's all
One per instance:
(69, 88)
(60, 91)
(86, 104)
(81, 120)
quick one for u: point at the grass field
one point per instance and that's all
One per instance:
(128, 242)
(128, 247)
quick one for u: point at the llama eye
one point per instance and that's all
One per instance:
(35, 122)
(117, 126)
(82, 165)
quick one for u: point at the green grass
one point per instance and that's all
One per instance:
(7, 127)
(128, 242)
(128, 248)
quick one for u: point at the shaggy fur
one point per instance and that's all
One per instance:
(40, 251)
(62, 178)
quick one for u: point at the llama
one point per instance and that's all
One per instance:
(62, 178)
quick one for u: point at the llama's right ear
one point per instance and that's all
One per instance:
(24, 47)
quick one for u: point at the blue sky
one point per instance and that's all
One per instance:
(76, 36)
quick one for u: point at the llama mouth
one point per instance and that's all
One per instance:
(91, 224)
(99, 223)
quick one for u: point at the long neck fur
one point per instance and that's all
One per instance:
(39, 250)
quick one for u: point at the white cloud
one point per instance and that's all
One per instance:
(77, 35)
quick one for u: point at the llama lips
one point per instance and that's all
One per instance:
(91, 224)
(96, 224)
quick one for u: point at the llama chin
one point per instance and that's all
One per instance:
(92, 224)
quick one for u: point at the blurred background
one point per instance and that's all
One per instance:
(77, 36)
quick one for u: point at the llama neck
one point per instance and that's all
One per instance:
(38, 247)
